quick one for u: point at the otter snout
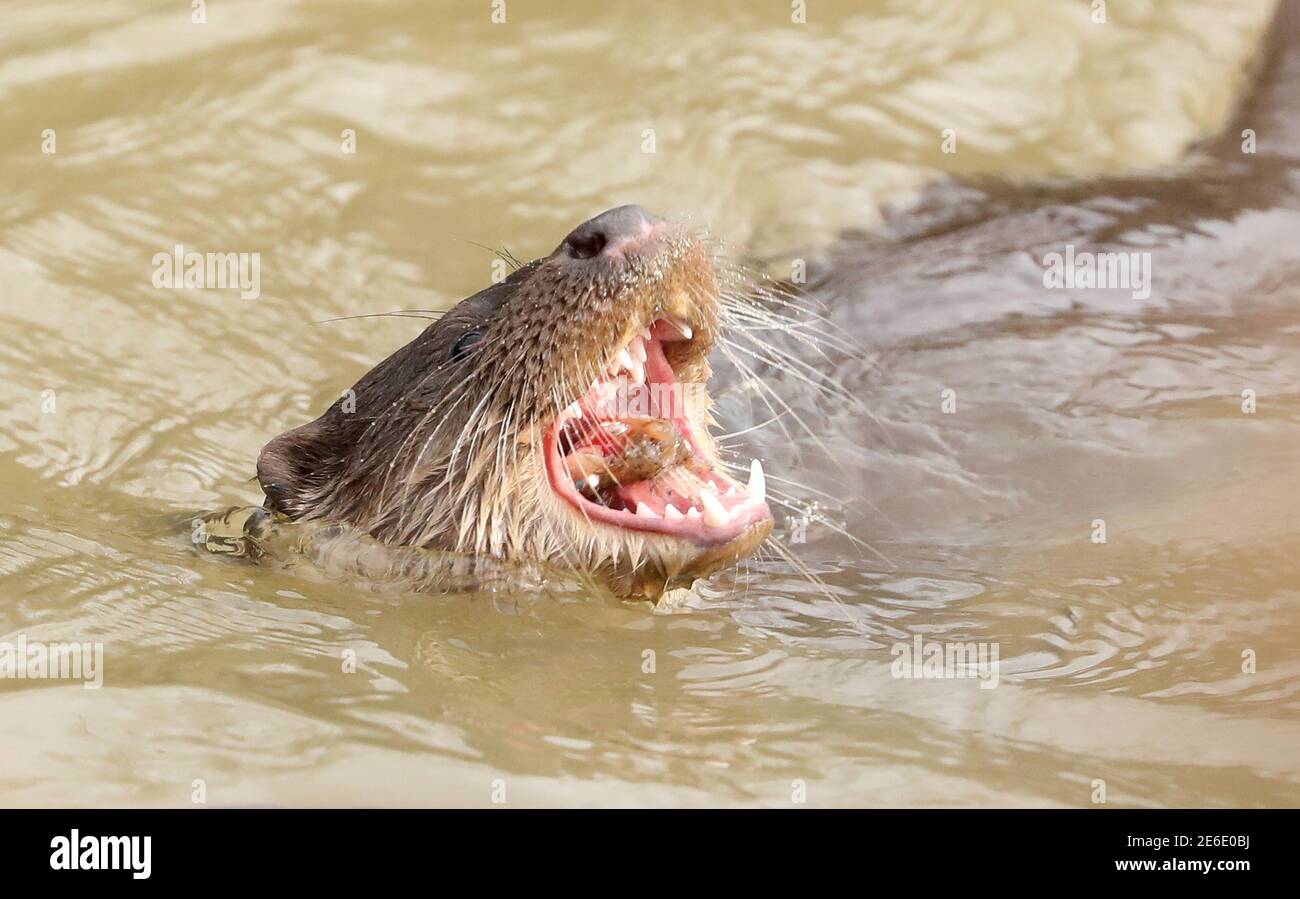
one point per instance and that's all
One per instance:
(611, 233)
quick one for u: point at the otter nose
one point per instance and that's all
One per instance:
(610, 232)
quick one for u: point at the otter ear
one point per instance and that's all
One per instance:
(292, 467)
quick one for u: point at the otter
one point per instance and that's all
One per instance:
(559, 416)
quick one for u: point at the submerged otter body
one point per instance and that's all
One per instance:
(1004, 400)
(559, 416)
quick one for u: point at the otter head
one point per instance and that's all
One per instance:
(560, 415)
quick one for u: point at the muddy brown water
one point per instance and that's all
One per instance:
(1158, 667)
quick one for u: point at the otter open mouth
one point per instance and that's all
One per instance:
(627, 453)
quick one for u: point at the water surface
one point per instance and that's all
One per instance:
(1120, 662)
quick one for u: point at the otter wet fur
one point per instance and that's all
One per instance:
(505, 429)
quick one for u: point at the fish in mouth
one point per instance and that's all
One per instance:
(560, 416)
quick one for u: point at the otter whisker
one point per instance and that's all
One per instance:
(749, 430)
(793, 367)
(800, 568)
(501, 253)
(427, 314)
(746, 314)
(748, 318)
(792, 503)
(758, 297)
(765, 391)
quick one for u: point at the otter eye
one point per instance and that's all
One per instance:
(464, 344)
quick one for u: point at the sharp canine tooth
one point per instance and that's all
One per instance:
(671, 513)
(623, 359)
(645, 334)
(714, 514)
(692, 512)
(645, 511)
(757, 488)
(731, 490)
(575, 410)
(638, 350)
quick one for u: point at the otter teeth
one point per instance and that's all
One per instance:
(623, 360)
(626, 360)
(683, 330)
(671, 513)
(714, 514)
(645, 511)
(757, 488)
